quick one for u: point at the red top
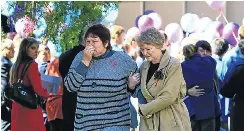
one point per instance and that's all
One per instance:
(54, 105)
(25, 119)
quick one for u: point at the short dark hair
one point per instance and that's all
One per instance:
(204, 44)
(102, 32)
(241, 46)
(220, 46)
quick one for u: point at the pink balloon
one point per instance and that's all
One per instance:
(216, 4)
(174, 32)
(157, 20)
(145, 22)
(231, 30)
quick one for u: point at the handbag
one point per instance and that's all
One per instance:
(25, 96)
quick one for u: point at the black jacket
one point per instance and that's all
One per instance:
(69, 99)
(6, 104)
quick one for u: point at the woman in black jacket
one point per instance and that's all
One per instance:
(7, 52)
(234, 88)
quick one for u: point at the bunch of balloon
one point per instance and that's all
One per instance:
(230, 30)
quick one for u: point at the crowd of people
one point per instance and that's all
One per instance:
(108, 69)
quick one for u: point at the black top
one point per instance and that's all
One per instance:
(234, 87)
(69, 98)
(151, 71)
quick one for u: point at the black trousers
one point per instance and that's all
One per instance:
(5, 118)
(203, 125)
(217, 123)
(56, 125)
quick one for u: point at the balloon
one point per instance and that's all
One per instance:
(146, 12)
(203, 24)
(41, 27)
(55, 49)
(132, 32)
(187, 41)
(157, 20)
(174, 49)
(112, 16)
(137, 19)
(144, 22)
(174, 32)
(216, 27)
(188, 22)
(216, 4)
(228, 31)
(7, 8)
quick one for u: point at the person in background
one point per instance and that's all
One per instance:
(117, 37)
(231, 81)
(241, 32)
(232, 55)
(69, 98)
(164, 109)
(22, 118)
(43, 58)
(54, 106)
(117, 41)
(234, 89)
(220, 47)
(204, 49)
(7, 52)
(102, 95)
(200, 88)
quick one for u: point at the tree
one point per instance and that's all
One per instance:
(65, 19)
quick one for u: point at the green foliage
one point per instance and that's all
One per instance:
(3, 35)
(90, 11)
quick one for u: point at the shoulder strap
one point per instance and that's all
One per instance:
(25, 70)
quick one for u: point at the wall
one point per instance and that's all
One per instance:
(171, 11)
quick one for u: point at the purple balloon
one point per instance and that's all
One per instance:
(145, 22)
(228, 31)
(218, 26)
(136, 21)
(147, 12)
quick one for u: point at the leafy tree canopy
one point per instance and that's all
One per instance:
(65, 19)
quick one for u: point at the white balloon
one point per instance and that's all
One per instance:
(189, 22)
(6, 8)
(203, 24)
(174, 32)
(112, 16)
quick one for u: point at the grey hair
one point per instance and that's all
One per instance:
(151, 36)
